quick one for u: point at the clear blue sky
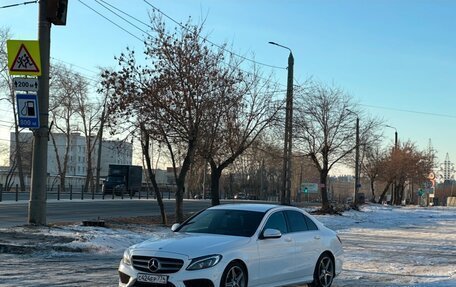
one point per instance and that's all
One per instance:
(391, 56)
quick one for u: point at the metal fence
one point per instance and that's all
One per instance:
(78, 193)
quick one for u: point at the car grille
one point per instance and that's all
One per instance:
(168, 265)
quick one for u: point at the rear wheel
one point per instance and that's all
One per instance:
(234, 275)
(324, 272)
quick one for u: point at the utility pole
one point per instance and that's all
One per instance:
(285, 198)
(289, 128)
(357, 181)
(49, 11)
(393, 190)
(357, 184)
(37, 204)
(100, 146)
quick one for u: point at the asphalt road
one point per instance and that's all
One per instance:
(14, 213)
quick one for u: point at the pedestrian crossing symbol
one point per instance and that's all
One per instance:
(24, 57)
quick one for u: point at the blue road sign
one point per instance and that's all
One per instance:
(27, 111)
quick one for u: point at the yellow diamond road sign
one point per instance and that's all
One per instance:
(24, 57)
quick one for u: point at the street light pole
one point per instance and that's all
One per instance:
(395, 135)
(393, 191)
(287, 150)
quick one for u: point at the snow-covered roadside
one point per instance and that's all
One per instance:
(384, 246)
(397, 246)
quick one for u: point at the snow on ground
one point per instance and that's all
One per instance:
(391, 246)
(384, 246)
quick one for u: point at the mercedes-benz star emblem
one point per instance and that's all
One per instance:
(154, 265)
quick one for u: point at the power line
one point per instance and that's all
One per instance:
(410, 111)
(18, 4)
(176, 22)
(110, 10)
(120, 27)
(147, 25)
(8, 122)
(72, 64)
(6, 111)
(85, 76)
(218, 46)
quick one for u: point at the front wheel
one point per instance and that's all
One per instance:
(234, 276)
(324, 272)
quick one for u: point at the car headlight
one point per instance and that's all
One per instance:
(127, 256)
(204, 262)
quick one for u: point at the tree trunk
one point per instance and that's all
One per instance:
(59, 165)
(89, 172)
(325, 206)
(216, 173)
(10, 176)
(180, 199)
(372, 184)
(385, 190)
(180, 179)
(145, 148)
(402, 193)
(20, 167)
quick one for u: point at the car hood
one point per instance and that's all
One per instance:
(190, 244)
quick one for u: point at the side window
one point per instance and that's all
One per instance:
(277, 221)
(310, 224)
(296, 221)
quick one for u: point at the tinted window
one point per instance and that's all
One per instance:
(296, 220)
(310, 224)
(227, 222)
(277, 221)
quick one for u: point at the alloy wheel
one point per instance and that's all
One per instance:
(325, 271)
(235, 277)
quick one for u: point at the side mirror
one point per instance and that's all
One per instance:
(272, 233)
(175, 226)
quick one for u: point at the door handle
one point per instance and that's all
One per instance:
(317, 237)
(287, 239)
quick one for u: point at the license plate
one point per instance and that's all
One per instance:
(149, 278)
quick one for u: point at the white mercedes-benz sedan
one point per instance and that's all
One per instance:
(237, 245)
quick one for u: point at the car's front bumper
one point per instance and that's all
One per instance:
(209, 277)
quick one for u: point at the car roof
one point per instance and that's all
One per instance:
(260, 207)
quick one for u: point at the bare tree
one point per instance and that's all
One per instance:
(6, 86)
(243, 111)
(65, 89)
(173, 94)
(90, 114)
(324, 129)
(373, 164)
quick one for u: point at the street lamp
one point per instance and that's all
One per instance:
(395, 135)
(357, 184)
(286, 177)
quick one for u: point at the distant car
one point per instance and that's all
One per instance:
(240, 196)
(237, 245)
(201, 196)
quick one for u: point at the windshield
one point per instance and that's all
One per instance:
(227, 222)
